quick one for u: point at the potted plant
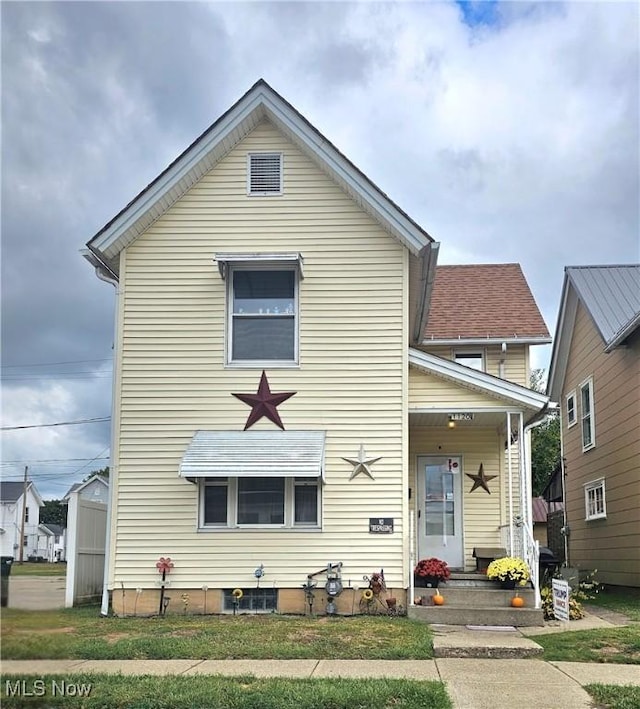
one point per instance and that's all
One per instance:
(509, 571)
(430, 572)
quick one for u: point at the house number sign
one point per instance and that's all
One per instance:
(380, 525)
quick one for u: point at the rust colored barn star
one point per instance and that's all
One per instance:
(264, 403)
(481, 480)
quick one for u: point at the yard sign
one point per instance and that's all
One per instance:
(560, 599)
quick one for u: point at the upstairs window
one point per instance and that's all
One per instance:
(587, 415)
(263, 318)
(264, 176)
(474, 360)
(594, 500)
(26, 514)
(571, 409)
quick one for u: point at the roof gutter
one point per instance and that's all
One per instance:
(95, 258)
(623, 333)
(429, 257)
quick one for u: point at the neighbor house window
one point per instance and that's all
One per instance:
(263, 315)
(260, 501)
(571, 409)
(587, 415)
(26, 514)
(264, 174)
(475, 360)
(594, 500)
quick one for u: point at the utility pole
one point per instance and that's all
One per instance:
(24, 513)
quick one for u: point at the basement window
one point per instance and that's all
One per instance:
(253, 599)
(264, 174)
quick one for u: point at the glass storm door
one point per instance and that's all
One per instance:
(440, 509)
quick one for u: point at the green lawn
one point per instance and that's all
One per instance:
(615, 697)
(82, 633)
(625, 602)
(31, 569)
(617, 645)
(194, 692)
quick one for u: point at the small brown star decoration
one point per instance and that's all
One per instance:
(264, 403)
(481, 480)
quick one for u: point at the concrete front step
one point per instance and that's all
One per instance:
(477, 596)
(477, 615)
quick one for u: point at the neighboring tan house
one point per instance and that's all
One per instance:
(11, 514)
(595, 374)
(297, 387)
(95, 489)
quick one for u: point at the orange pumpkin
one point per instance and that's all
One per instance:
(437, 599)
(517, 602)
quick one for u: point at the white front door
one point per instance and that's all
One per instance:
(440, 509)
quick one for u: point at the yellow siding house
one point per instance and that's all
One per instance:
(292, 410)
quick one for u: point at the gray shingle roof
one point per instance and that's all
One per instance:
(10, 491)
(611, 294)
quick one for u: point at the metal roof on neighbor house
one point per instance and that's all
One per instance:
(213, 454)
(611, 294)
(483, 302)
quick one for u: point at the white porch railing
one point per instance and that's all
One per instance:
(525, 547)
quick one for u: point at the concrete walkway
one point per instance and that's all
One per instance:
(37, 593)
(471, 683)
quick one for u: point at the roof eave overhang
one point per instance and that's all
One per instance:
(511, 340)
(623, 333)
(260, 102)
(561, 340)
(465, 376)
(429, 260)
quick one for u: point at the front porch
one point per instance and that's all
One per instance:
(470, 486)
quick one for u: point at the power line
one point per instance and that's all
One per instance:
(55, 364)
(59, 423)
(49, 460)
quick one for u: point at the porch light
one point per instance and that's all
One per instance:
(451, 423)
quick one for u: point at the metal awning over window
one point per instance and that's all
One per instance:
(221, 454)
(275, 260)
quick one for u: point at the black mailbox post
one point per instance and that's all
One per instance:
(5, 570)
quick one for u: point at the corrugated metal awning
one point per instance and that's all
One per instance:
(221, 454)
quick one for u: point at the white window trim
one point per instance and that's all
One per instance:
(265, 153)
(232, 508)
(571, 395)
(260, 265)
(588, 383)
(475, 352)
(589, 487)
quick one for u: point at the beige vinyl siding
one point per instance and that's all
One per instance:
(611, 545)
(483, 513)
(516, 365)
(350, 380)
(427, 391)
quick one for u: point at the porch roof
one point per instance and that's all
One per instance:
(507, 395)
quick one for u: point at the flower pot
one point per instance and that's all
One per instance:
(391, 602)
(427, 581)
(508, 584)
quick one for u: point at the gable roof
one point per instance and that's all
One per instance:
(55, 529)
(611, 296)
(482, 303)
(259, 103)
(77, 487)
(11, 492)
(480, 381)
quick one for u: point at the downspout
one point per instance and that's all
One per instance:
(104, 273)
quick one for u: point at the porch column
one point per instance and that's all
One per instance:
(510, 474)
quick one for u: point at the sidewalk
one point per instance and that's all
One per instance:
(471, 683)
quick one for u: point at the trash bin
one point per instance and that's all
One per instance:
(5, 571)
(549, 564)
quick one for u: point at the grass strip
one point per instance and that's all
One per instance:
(205, 692)
(613, 696)
(83, 634)
(611, 645)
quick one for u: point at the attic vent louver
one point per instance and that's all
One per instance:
(265, 173)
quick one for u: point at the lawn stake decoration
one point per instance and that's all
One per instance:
(237, 594)
(481, 480)
(361, 463)
(164, 566)
(264, 403)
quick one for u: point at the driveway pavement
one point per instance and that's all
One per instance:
(36, 593)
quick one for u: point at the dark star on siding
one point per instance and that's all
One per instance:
(264, 403)
(481, 480)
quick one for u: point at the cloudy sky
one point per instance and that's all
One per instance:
(509, 131)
